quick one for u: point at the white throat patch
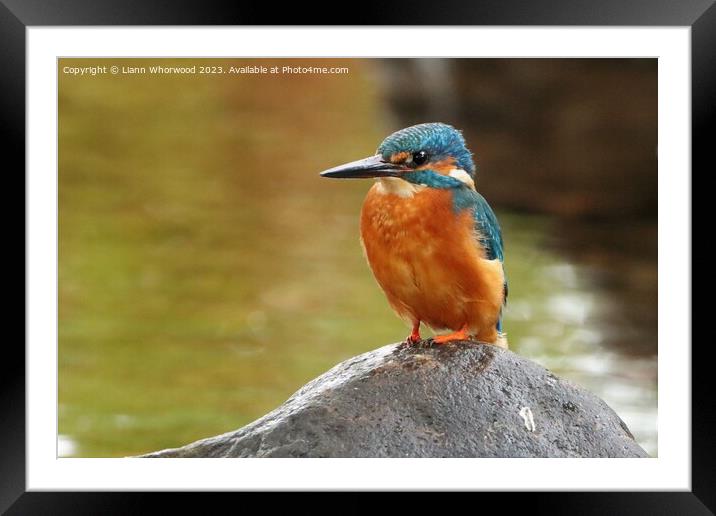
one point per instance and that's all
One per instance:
(397, 186)
(463, 176)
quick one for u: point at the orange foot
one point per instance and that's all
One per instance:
(461, 334)
(414, 336)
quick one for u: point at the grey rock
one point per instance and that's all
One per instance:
(461, 399)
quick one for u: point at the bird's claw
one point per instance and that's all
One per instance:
(412, 339)
(461, 334)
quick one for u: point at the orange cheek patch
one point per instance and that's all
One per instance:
(399, 157)
(442, 167)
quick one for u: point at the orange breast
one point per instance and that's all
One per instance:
(429, 263)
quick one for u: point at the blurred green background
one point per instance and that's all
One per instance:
(206, 272)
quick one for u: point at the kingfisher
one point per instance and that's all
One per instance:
(431, 240)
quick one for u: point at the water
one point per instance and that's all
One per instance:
(562, 314)
(207, 272)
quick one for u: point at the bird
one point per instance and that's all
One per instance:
(431, 239)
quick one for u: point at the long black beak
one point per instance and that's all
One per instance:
(368, 167)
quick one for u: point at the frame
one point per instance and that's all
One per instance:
(15, 15)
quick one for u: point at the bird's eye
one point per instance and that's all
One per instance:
(420, 157)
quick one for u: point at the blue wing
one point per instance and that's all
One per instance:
(487, 227)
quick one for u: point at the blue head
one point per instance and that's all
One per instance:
(426, 154)
(433, 146)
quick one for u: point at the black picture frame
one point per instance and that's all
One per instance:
(17, 15)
